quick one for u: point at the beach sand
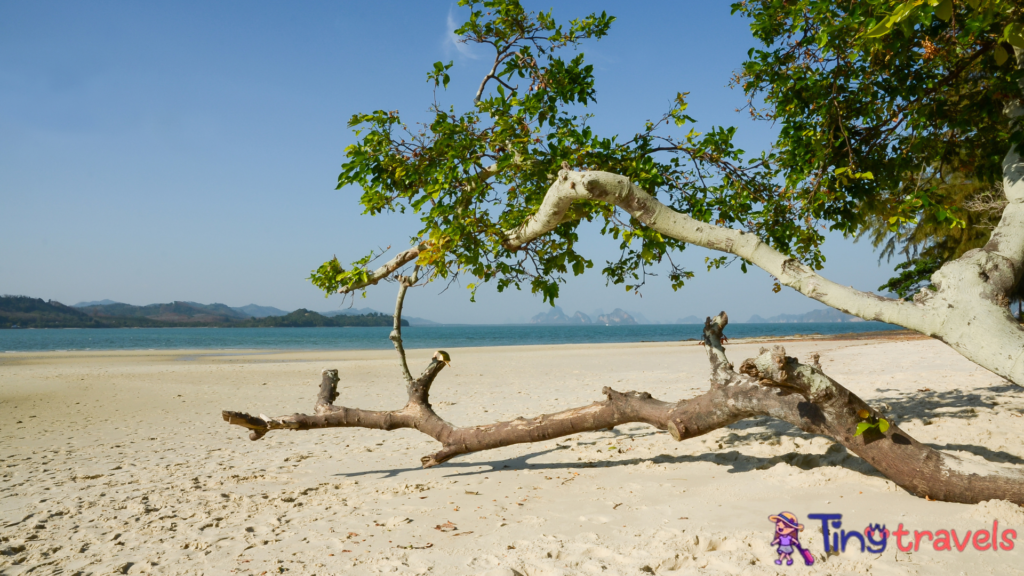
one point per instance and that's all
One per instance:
(119, 462)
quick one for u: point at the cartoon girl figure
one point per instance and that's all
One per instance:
(787, 537)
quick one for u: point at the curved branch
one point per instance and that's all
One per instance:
(389, 268)
(406, 256)
(404, 282)
(618, 190)
(969, 311)
(498, 59)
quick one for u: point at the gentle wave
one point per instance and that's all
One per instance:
(377, 337)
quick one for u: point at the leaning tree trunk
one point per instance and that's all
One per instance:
(771, 384)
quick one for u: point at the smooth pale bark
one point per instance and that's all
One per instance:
(389, 268)
(969, 310)
(772, 384)
(404, 282)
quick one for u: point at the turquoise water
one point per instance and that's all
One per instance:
(377, 337)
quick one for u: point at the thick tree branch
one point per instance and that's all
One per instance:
(1007, 239)
(772, 384)
(618, 190)
(982, 329)
(415, 414)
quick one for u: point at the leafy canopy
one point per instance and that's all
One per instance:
(913, 93)
(475, 170)
(881, 105)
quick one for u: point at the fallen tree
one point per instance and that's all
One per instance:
(772, 384)
(527, 152)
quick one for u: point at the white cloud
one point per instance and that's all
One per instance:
(451, 40)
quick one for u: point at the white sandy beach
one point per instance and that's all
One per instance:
(119, 462)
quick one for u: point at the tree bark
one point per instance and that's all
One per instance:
(772, 384)
(404, 282)
(969, 310)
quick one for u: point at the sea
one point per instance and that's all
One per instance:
(367, 338)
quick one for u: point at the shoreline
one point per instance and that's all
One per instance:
(119, 461)
(891, 335)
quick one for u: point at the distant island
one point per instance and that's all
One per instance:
(556, 316)
(27, 312)
(822, 315)
(303, 318)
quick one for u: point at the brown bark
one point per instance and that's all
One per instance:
(772, 384)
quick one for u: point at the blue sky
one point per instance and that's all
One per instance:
(152, 152)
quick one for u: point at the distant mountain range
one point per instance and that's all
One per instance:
(257, 311)
(556, 316)
(172, 312)
(413, 321)
(94, 303)
(821, 315)
(248, 311)
(26, 312)
(306, 318)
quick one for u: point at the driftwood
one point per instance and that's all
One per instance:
(772, 384)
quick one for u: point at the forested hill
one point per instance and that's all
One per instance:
(303, 318)
(27, 312)
(173, 313)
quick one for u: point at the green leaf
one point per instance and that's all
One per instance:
(861, 428)
(1014, 34)
(883, 28)
(901, 13)
(1000, 54)
(944, 10)
(883, 425)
